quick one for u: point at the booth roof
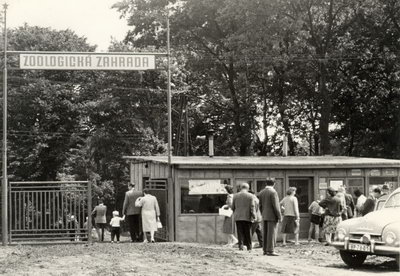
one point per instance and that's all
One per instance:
(269, 162)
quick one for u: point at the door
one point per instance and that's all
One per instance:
(304, 194)
(158, 188)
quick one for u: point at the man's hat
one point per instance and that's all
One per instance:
(385, 187)
(332, 189)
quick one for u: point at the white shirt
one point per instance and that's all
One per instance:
(116, 222)
(360, 202)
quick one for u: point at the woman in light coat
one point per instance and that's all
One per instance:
(150, 214)
(228, 227)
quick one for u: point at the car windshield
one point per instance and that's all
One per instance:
(393, 201)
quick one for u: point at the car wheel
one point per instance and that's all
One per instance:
(352, 259)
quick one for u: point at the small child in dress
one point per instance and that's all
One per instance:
(115, 225)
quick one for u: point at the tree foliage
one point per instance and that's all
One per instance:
(323, 72)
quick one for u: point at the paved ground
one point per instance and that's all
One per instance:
(179, 259)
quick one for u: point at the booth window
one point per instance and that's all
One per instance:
(378, 181)
(355, 184)
(203, 196)
(278, 186)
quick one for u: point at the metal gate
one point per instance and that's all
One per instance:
(49, 211)
(158, 188)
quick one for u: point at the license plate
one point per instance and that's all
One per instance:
(359, 247)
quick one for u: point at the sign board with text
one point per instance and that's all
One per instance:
(206, 186)
(86, 62)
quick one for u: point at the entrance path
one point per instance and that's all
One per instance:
(179, 259)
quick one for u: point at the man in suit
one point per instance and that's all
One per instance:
(243, 207)
(271, 214)
(132, 212)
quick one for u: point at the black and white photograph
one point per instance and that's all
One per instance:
(200, 137)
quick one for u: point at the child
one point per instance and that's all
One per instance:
(315, 218)
(115, 225)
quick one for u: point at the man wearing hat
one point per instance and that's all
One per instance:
(132, 212)
(271, 215)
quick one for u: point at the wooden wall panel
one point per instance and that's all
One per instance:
(212, 174)
(186, 229)
(225, 174)
(261, 174)
(277, 173)
(197, 174)
(220, 237)
(243, 173)
(206, 229)
(323, 173)
(181, 173)
(337, 173)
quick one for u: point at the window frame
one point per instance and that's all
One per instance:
(179, 198)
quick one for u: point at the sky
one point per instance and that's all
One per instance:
(93, 19)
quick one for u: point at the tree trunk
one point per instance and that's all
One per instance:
(326, 109)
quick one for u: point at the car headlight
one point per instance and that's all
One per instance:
(341, 234)
(390, 238)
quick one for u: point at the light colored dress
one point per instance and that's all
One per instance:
(229, 224)
(150, 212)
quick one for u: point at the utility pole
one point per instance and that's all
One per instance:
(169, 97)
(4, 190)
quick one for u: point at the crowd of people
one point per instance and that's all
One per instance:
(140, 211)
(250, 211)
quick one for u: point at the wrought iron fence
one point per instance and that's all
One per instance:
(49, 211)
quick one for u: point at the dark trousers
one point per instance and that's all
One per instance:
(269, 229)
(101, 226)
(244, 233)
(256, 228)
(134, 226)
(115, 231)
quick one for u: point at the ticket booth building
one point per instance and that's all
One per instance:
(190, 199)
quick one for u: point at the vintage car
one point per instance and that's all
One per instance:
(377, 233)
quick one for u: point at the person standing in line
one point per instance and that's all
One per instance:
(291, 216)
(256, 226)
(369, 205)
(228, 227)
(315, 218)
(360, 200)
(150, 214)
(115, 226)
(385, 192)
(243, 206)
(271, 215)
(100, 219)
(333, 210)
(132, 212)
(341, 194)
(349, 203)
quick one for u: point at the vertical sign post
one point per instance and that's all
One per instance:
(169, 98)
(4, 190)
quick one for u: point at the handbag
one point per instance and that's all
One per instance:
(225, 212)
(159, 224)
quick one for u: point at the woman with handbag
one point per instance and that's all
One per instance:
(228, 227)
(150, 214)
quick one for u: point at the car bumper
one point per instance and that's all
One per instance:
(376, 249)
